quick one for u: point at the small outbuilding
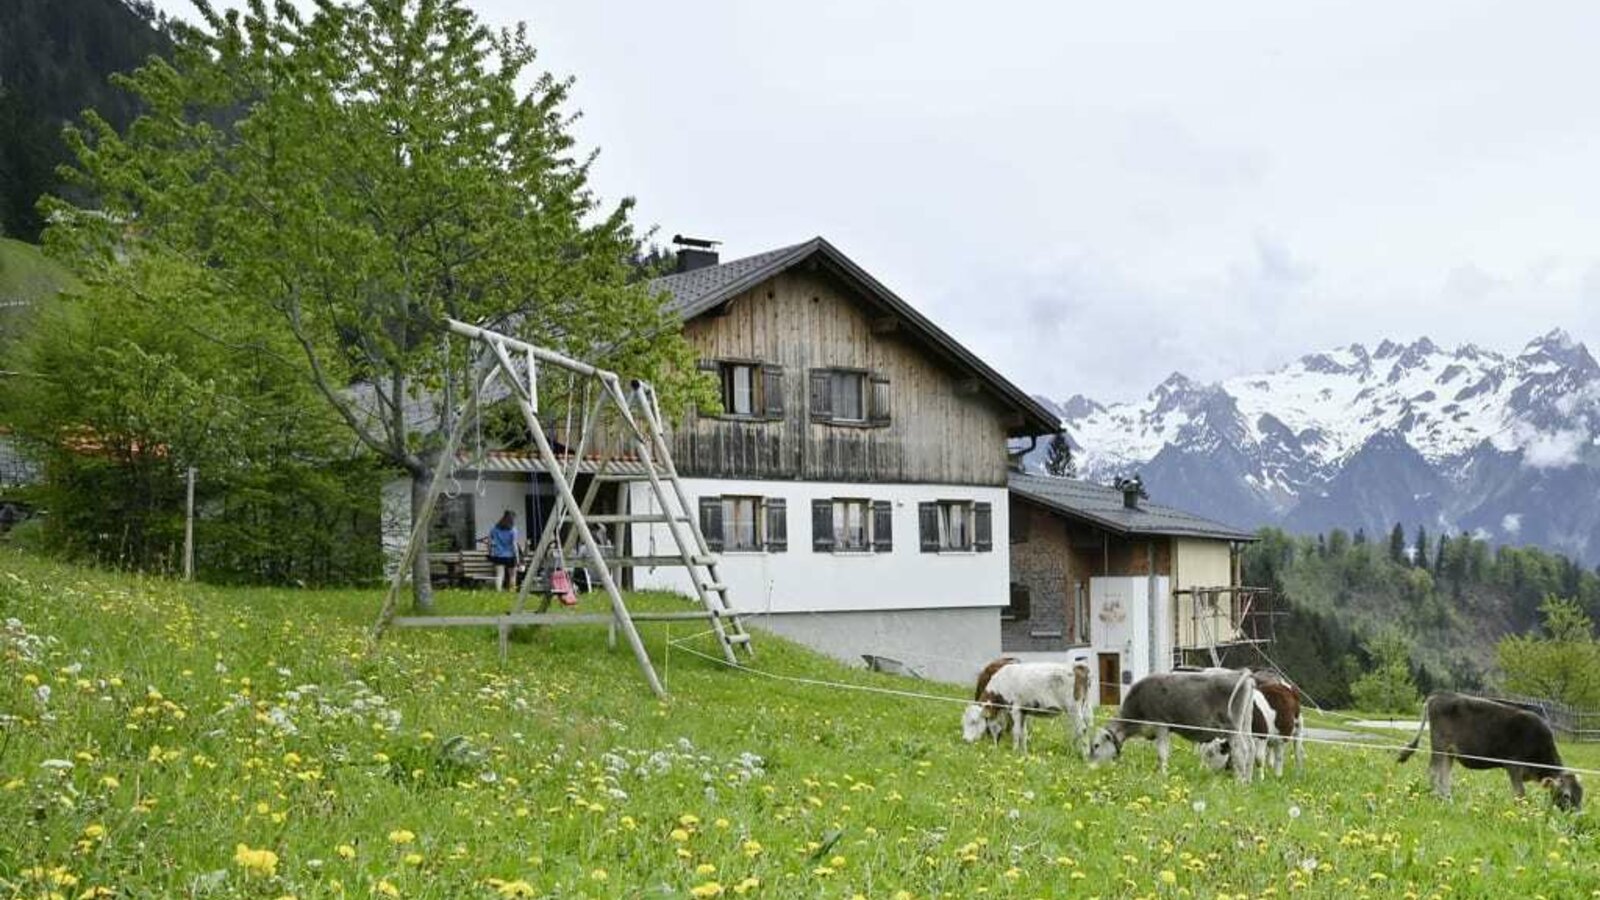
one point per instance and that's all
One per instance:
(1102, 574)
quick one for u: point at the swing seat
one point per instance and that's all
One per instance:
(561, 587)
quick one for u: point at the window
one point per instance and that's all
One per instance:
(749, 389)
(739, 389)
(1078, 620)
(1021, 605)
(739, 528)
(850, 525)
(1021, 522)
(956, 526)
(738, 524)
(849, 397)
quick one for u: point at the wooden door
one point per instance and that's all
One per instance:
(1110, 679)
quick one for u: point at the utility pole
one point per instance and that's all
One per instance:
(188, 530)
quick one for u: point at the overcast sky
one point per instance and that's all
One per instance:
(1094, 195)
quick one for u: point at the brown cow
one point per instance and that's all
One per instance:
(1485, 734)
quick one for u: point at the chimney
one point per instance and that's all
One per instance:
(1132, 491)
(695, 253)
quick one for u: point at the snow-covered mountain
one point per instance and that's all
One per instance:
(1454, 439)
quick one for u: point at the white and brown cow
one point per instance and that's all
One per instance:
(1197, 706)
(1013, 691)
(1485, 734)
(1275, 723)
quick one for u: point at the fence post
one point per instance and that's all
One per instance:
(188, 528)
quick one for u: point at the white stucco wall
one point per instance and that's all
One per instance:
(1120, 612)
(802, 580)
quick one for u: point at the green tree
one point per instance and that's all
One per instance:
(119, 403)
(1397, 544)
(1387, 686)
(1420, 557)
(1058, 459)
(1562, 663)
(385, 170)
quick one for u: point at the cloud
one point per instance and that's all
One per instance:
(1554, 449)
(1511, 523)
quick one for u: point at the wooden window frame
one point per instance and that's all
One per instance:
(768, 511)
(877, 521)
(1014, 612)
(766, 388)
(875, 397)
(934, 524)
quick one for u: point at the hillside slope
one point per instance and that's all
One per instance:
(169, 740)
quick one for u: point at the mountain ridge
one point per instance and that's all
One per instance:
(1449, 438)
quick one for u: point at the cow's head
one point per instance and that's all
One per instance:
(1106, 746)
(1214, 754)
(1566, 790)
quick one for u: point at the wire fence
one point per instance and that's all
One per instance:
(1579, 725)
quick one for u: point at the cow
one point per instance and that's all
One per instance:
(1275, 722)
(1486, 734)
(1017, 690)
(973, 722)
(1197, 705)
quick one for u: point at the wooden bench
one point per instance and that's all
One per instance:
(465, 568)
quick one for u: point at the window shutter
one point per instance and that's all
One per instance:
(711, 522)
(712, 367)
(821, 394)
(878, 400)
(928, 526)
(983, 527)
(882, 526)
(777, 525)
(772, 391)
(822, 525)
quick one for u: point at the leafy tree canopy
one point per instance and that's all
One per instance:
(360, 174)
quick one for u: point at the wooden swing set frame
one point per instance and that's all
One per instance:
(644, 436)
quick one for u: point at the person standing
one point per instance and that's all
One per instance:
(504, 551)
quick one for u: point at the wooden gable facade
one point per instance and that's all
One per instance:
(825, 380)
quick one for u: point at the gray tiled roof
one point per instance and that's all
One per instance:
(692, 291)
(1104, 507)
(701, 290)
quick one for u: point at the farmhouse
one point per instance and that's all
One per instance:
(853, 483)
(1101, 573)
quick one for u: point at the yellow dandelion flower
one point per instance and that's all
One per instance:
(598, 875)
(752, 848)
(413, 859)
(679, 835)
(688, 820)
(387, 889)
(401, 836)
(705, 869)
(518, 888)
(256, 862)
(1169, 877)
(709, 889)
(95, 831)
(345, 851)
(747, 885)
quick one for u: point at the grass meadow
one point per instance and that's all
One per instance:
(169, 740)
